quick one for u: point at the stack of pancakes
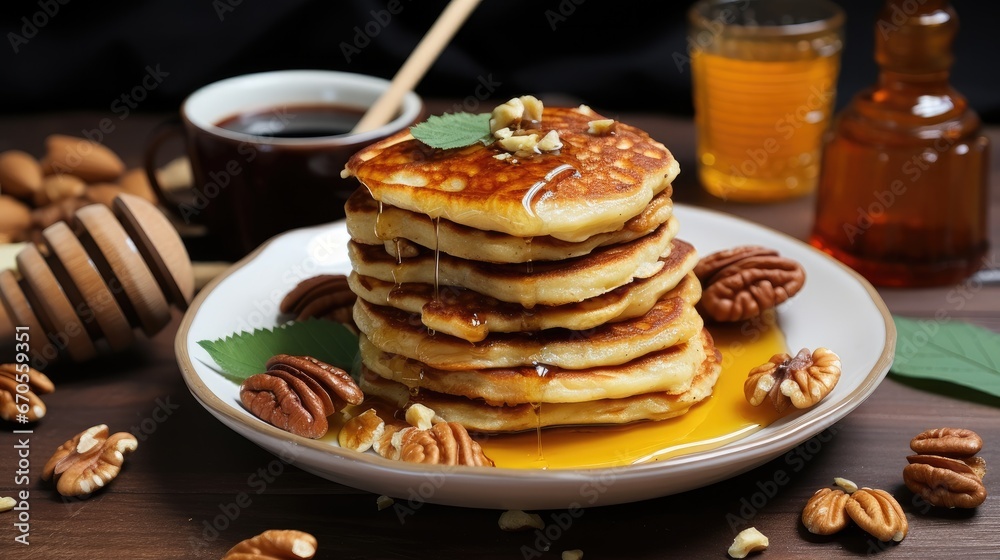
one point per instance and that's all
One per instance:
(510, 293)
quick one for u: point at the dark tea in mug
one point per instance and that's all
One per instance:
(296, 121)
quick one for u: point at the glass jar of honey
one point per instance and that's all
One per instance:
(903, 190)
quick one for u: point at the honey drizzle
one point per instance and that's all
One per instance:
(528, 200)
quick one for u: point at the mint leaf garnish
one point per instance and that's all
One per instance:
(243, 354)
(453, 130)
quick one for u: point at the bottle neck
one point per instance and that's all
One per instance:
(913, 42)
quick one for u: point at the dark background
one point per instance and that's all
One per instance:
(612, 54)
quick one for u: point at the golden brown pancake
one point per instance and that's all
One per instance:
(387, 227)
(669, 371)
(671, 321)
(593, 184)
(472, 316)
(476, 415)
(527, 284)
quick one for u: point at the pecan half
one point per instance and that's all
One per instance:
(88, 461)
(297, 393)
(947, 442)
(878, 514)
(944, 481)
(742, 282)
(326, 296)
(19, 392)
(445, 443)
(801, 381)
(275, 545)
(824, 513)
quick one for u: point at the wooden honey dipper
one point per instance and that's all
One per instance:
(84, 290)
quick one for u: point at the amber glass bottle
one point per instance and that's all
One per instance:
(903, 190)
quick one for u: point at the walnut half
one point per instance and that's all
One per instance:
(88, 461)
(801, 381)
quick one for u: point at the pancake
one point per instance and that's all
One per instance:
(670, 321)
(476, 415)
(368, 225)
(472, 316)
(669, 371)
(592, 185)
(545, 283)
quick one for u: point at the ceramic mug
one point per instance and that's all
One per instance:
(267, 149)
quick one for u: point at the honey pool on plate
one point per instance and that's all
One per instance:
(722, 418)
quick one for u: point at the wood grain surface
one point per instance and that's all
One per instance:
(194, 488)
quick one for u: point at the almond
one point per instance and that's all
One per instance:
(103, 193)
(15, 216)
(20, 174)
(135, 181)
(87, 160)
(59, 186)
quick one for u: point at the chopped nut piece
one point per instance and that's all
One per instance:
(361, 432)
(550, 142)
(749, 540)
(383, 502)
(520, 145)
(801, 381)
(503, 133)
(507, 115)
(824, 513)
(944, 482)
(88, 461)
(878, 514)
(601, 127)
(575, 554)
(275, 545)
(947, 442)
(420, 417)
(848, 486)
(502, 156)
(517, 520)
(7, 503)
(532, 109)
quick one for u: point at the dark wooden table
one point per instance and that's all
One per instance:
(179, 495)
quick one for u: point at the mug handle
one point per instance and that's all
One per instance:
(163, 132)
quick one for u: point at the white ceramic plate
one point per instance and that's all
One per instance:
(836, 309)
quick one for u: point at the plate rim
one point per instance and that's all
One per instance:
(761, 447)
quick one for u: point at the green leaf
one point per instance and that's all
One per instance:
(243, 354)
(951, 351)
(453, 130)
